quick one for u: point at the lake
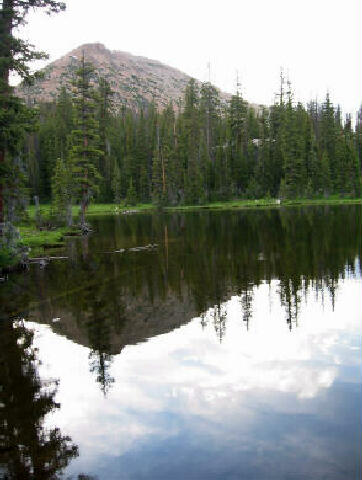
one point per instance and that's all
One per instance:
(204, 345)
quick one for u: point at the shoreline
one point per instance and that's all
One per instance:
(111, 208)
(43, 242)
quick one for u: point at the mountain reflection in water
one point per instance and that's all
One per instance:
(230, 350)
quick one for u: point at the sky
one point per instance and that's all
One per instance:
(317, 42)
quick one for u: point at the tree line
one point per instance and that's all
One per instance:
(197, 151)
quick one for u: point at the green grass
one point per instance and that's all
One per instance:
(265, 203)
(93, 209)
(110, 208)
(39, 240)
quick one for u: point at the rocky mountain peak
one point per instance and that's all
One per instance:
(135, 80)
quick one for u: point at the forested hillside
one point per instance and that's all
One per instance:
(197, 151)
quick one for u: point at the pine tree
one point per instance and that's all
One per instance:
(179, 160)
(238, 143)
(328, 138)
(325, 175)
(358, 138)
(129, 165)
(277, 139)
(141, 159)
(312, 163)
(104, 111)
(84, 151)
(263, 174)
(158, 180)
(131, 198)
(209, 116)
(167, 172)
(349, 164)
(63, 119)
(294, 167)
(47, 152)
(15, 118)
(191, 143)
(62, 191)
(116, 184)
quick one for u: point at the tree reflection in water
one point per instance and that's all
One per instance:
(27, 449)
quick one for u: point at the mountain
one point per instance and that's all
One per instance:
(134, 80)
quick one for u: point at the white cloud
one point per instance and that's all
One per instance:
(319, 42)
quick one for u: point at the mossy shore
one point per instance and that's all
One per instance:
(38, 240)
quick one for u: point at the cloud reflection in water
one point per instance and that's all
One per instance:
(266, 402)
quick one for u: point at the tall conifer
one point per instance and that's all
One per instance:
(84, 146)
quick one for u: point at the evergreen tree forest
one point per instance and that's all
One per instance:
(200, 150)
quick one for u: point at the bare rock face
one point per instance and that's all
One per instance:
(135, 80)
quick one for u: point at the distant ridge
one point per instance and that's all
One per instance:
(135, 80)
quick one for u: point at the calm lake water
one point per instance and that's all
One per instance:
(229, 348)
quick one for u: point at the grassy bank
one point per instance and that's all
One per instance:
(97, 209)
(40, 240)
(266, 203)
(110, 208)
(93, 209)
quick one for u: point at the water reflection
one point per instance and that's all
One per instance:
(201, 260)
(27, 449)
(231, 350)
(264, 402)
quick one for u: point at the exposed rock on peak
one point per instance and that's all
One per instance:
(135, 80)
